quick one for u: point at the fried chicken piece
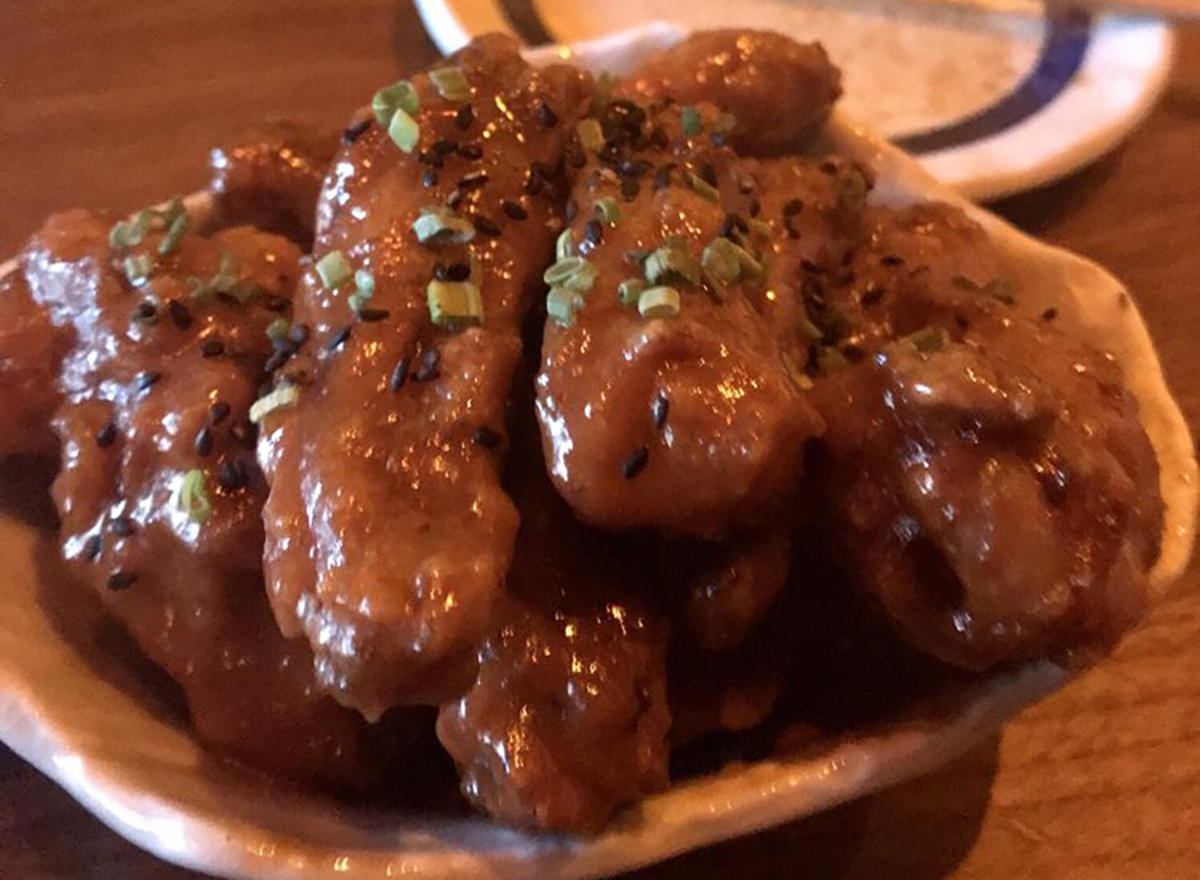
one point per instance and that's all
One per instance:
(567, 720)
(991, 484)
(687, 423)
(271, 178)
(31, 349)
(159, 494)
(388, 534)
(778, 90)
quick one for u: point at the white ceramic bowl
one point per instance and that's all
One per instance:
(87, 721)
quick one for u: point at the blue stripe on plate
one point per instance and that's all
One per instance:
(1063, 51)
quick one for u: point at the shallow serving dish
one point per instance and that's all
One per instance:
(87, 720)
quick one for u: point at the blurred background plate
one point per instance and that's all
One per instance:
(993, 96)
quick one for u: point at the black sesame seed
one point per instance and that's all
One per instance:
(145, 312)
(793, 207)
(485, 226)
(428, 157)
(708, 174)
(203, 444)
(400, 373)
(809, 266)
(273, 303)
(547, 116)
(658, 137)
(106, 436)
(629, 188)
(662, 178)
(146, 380)
(658, 411)
(829, 167)
(720, 138)
(212, 348)
(353, 132)
(747, 186)
(635, 462)
(870, 296)
(370, 316)
(891, 260)
(459, 271)
(571, 209)
(218, 412)
(534, 183)
(464, 117)
(428, 370)
(574, 155)
(445, 147)
(487, 438)
(339, 339)
(179, 314)
(429, 179)
(474, 180)
(122, 526)
(514, 211)
(121, 580)
(470, 152)
(1050, 314)
(92, 547)
(593, 232)
(754, 208)
(854, 353)
(278, 359)
(232, 474)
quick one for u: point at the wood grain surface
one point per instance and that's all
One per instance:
(115, 105)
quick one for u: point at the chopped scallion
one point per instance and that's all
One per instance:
(285, 395)
(404, 131)
(439, 226)
(609, 210)
(659, 302)
(278, 329)
(689, 121)
(927, 340)
(629, 290)
(562, 304)
(398, 96)
(454, 305)
(565, 245)
(451, 83)
(175, 234)
(573, 273)
(138, 268)
(671, 263)
(193, 497)
(333, 269)
(721, 261)
(591, 135)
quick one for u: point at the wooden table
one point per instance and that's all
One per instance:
(107, 104)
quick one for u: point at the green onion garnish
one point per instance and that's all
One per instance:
(364, 289)
(760, 230)
(278, 329)
(927, 340)
(564, 246)
(404, 131)
(138, 268)
(333, 269)
(285, 395)
(603, 91)
(454, 305)
(702, 187)
(439, 226)
(852, 190)
(629, 290)
(193, 498)
(573, 273)
(175, 234)
(722, 262)
(689, 120)
(398, 96)
(1000, 289)
(609, 210)
(671, 263)
(562, 304)
(659, 302)
(591, 135)
(724, 124)
(451, 83)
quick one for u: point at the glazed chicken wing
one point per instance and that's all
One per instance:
(672, 408)
(778, 90)
(992, 486)
(388, 534)
(159, 494)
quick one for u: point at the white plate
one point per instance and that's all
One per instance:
(993, 102)
(84, 720)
